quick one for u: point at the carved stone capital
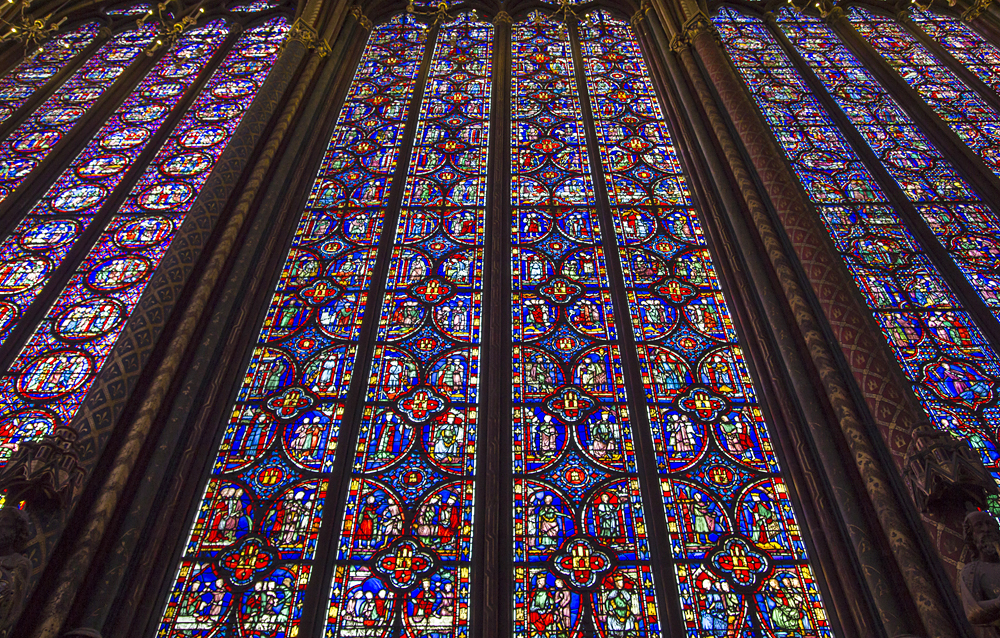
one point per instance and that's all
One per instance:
(975, 10)
(502, 18)
(362, 19)
(309, 37)
(694, 26)
(46, 470)
(943, 472)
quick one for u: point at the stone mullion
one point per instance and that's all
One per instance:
(491, 590)
(170, 480)
(648, 477)
(841, 312)
(797, 408)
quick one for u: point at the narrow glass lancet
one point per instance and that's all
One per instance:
(581, 552)
(34, 139)
(254, 537)
(38, 244)
(953, 369)
(739, 557)
(961, 108)
(405, 545)
(22, 81)
(945, 201)
(50, 377)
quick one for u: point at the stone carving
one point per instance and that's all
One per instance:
(45, 470)
(944, 472)
(14, 565)
(980, 579)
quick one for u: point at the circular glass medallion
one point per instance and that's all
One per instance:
(82, 94)
(121, 54)
(36, 74)
(193, 51)
(165, 196)
(55, 374)
(61, 115)
(49, 234)
(216, 112)
(180, 70)
(18, 275)
(187, 164)
(16, 168)
(89, 319)
(125, 138)
(234, 89)
(143, 114)
(102, 166)
(35, 141)
(103, 73)
(118, 273)
(246, 67)
(203, 137)
(144, 232)
(261, 50)
(78, 198)
(162, 90)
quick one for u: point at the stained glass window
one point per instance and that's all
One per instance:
(53, 372)
(34, 71)
(35, 138)
(946, 202)
(940, 349)
(962, 109)
(406, 541)
(576, 492)
(401, 555)
(738, 552)
(262, 508)
(962, 42)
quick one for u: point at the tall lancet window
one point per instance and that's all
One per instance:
(347, 492)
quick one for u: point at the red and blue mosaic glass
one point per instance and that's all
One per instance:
(35, 138)
(954, 371)
(962, 109)
(35, 70)
(967, 228)
(405, 545)
(580, 549)
(739, 557)
(40, 242)
(53, 372)
(252, 545)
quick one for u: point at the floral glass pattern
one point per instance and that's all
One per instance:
(967, 228)
(406, 541)
(34, 71)
(944, 355)
(581, 553)
(252, 546)
(38, 245)
(740, 560)
(51, 375)
(35, 138)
